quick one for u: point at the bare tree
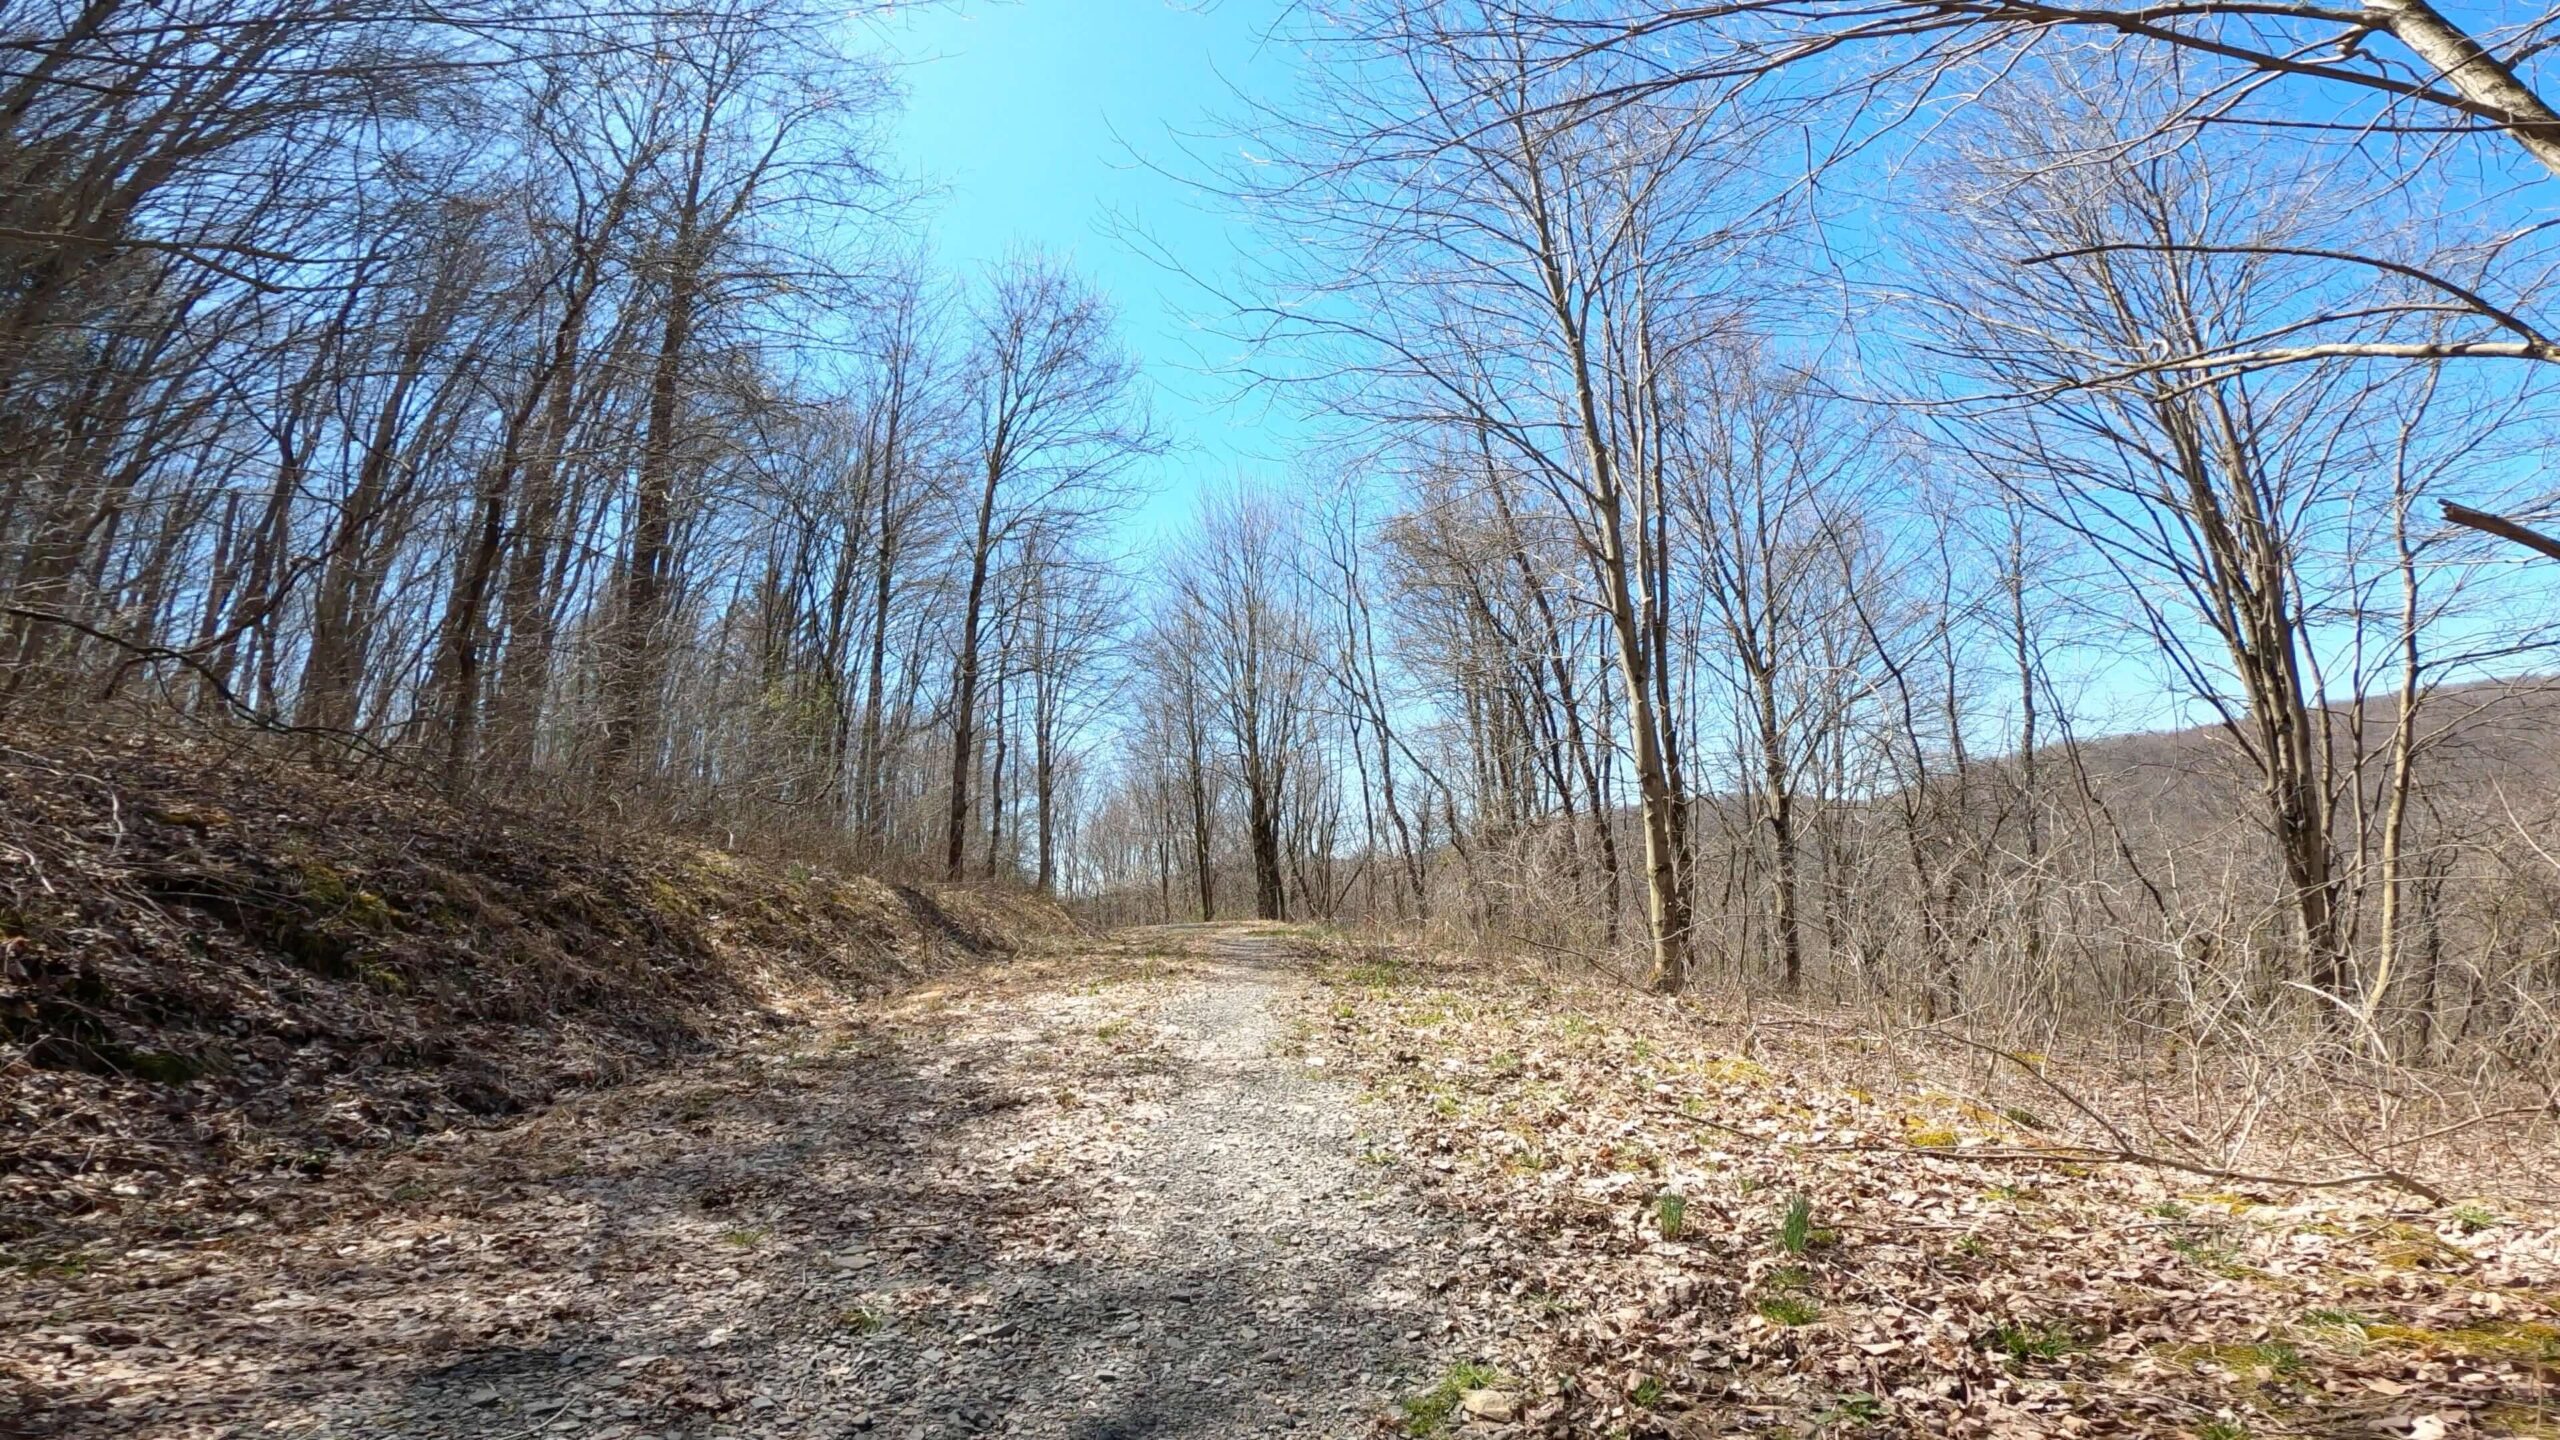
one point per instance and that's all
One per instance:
(2206, 497)
(1054, 419)
(1238, 580)
(1511, 262)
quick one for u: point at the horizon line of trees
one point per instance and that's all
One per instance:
(1743, 458)
(1689, 586)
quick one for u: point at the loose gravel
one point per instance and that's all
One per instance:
(1095, 1198)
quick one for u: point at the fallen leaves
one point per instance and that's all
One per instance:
(1857, 1251)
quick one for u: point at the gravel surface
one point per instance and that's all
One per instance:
(1100, 1197)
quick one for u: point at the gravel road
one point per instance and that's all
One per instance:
(1104, 1197)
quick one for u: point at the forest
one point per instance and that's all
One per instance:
(2018, 527)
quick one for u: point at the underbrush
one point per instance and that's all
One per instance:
(222, 969)
(1794, 1224)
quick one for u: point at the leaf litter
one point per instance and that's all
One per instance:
(1737, 1229)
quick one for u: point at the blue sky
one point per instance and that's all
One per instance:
(1030, 120)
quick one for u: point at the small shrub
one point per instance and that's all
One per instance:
(2475, 1218)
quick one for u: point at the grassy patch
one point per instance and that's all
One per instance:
(1376, 974)
(2025, 1340)
(58, 1265)
(162, 1067)
(1855, 1409)
(1795, 1224)
(1427, 1412)
(2256, 1360)
(1734, 1070)
(2525, 1420)
(2208, 1250)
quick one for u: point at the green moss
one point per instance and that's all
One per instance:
(1788, 1310)
(2532, 1341)
(333, 896)
(162, 1067)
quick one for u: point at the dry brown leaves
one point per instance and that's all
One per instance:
(1631, 1174)
(223, 971)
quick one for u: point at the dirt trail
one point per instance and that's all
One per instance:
(1099, 1197)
